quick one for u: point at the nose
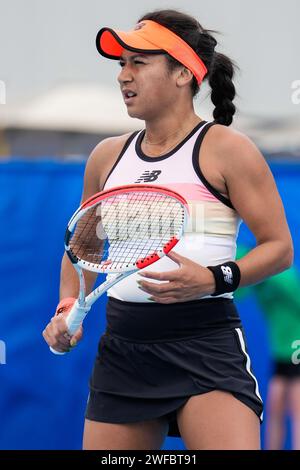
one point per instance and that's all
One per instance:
(125, 75)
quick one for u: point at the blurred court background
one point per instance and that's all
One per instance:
(58, 99)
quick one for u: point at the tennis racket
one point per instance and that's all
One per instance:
(120, 231)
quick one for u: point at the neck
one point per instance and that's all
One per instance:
(165, 130)
(164, 134)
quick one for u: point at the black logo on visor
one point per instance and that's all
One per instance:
(139, 26)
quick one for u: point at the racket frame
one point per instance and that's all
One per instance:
(83, 304)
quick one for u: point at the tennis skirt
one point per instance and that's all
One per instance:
(153, 357)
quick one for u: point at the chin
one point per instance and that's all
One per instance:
(135, 114)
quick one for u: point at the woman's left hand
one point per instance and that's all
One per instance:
(189, 282)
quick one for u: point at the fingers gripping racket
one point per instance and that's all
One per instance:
(118, 232)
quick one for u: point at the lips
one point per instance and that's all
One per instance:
(128, 95)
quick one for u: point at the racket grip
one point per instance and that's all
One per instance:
(74, 320)
(76, 316)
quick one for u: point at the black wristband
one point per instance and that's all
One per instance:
(227, 277)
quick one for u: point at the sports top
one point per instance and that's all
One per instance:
(210, 237)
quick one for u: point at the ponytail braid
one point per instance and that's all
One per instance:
(222, 88)
(220, 67)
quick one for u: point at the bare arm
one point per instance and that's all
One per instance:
(98, 165)
(69, 283)
(254, 195)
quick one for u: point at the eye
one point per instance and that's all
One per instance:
(121, 64)
(139, 62)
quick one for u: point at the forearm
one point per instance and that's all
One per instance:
(265, 260)
(69, 281)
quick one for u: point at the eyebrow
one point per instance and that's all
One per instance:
(144, 56)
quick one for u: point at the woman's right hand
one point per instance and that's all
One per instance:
(56, 332)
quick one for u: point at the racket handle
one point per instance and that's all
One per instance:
(74, 320)
(56, 352)
(76, 316)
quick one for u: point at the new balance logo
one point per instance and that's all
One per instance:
(226, 270)
(148, 176)
(139, 26)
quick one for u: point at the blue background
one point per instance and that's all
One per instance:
(43, 397)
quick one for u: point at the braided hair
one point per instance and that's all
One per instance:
(220, 67)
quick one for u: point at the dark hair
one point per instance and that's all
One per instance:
(220, 67)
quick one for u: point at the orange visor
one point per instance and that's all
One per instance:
(150, 37)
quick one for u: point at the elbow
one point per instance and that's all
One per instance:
(288, 256)
(291, 256)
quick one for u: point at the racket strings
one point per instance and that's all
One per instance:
(85, 243)
(152, 215)
(126, 227)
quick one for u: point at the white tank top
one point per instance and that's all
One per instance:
(210, 238)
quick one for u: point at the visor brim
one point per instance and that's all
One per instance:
(111, 44)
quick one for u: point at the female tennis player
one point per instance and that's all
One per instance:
(173, 359)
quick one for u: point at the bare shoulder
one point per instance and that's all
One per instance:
(228, 154)
(104, 156)
(235, 156)
(246, 174)
(234, 151)
(100, 163)
(109, 148)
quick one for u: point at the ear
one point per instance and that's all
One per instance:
(184, 77)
